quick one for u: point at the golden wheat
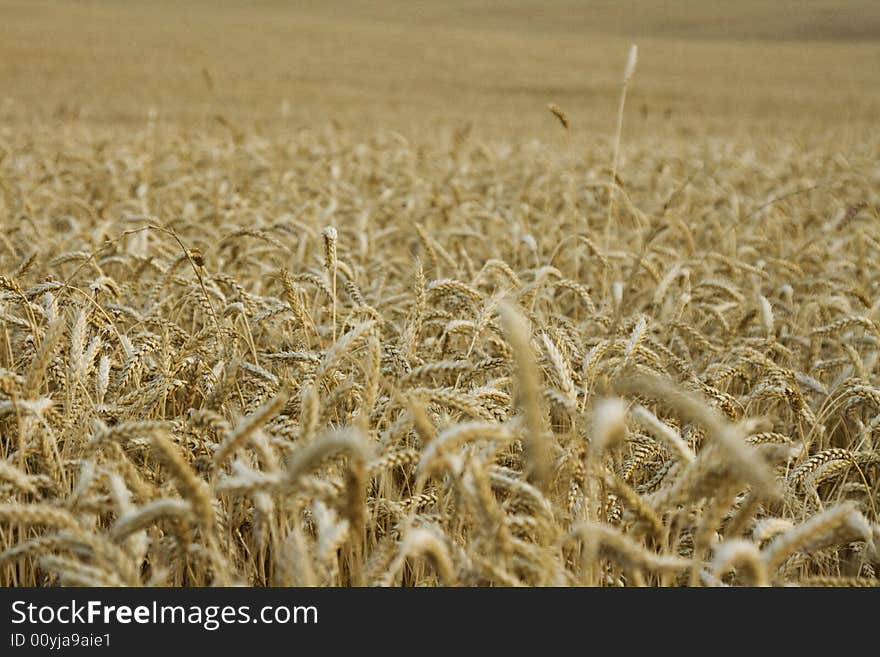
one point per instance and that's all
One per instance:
(346, 359)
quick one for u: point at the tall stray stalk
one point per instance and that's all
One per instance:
(627, 76)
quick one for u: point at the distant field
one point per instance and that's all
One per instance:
(406, 65)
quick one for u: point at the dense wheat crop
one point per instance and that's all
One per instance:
(340, 356)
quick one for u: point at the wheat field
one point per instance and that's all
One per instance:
(311, 297)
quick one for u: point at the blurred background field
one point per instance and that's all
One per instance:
(705, 66)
